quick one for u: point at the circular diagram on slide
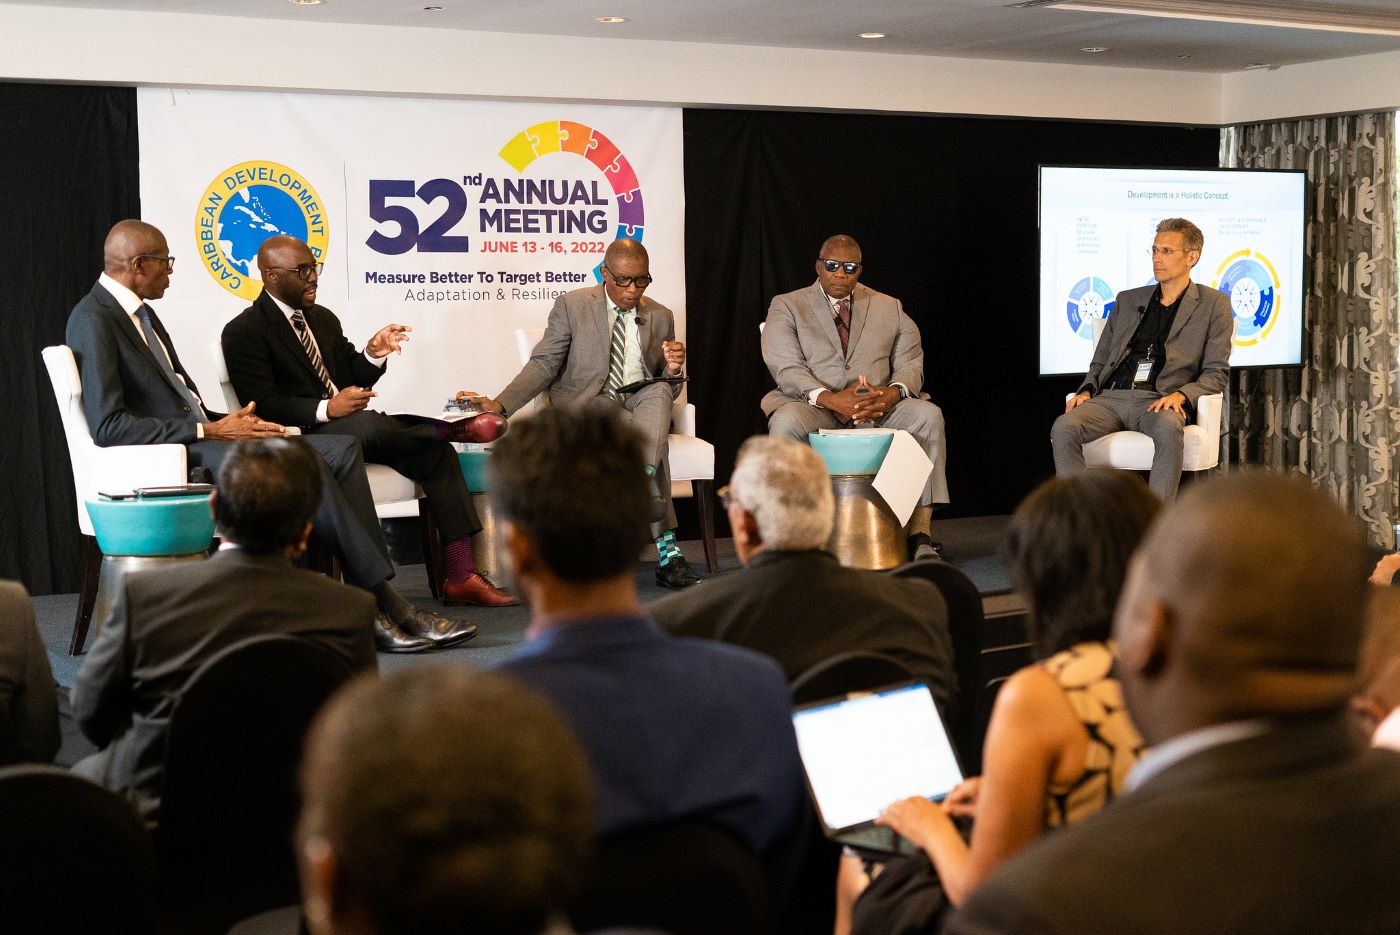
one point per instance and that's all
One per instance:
(1251, 282)
(1090, 298)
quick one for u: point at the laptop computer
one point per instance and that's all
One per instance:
(865, 750)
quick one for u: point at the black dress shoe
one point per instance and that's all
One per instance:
(443, 631)
(676, 574)
(923, 548)
(388, 638)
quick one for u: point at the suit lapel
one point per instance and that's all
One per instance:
(1189, 301)
(1131, 316)
(860, 311)
(821, 311)
(138, 340)
(644, 334)
(599, 313)
(280, 326)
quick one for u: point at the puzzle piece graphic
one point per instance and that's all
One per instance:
(519, 152)
(604, 153)
(577, 137)
(630, 231)
(629, 209)
(621, 175)
(546, 137)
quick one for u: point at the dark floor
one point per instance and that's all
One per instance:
(970, 544)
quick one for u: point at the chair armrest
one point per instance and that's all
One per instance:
(1208, 408)
(683, 419)
(124, 467)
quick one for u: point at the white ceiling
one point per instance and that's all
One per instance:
(984, 29)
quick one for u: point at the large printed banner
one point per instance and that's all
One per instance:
(463, 219)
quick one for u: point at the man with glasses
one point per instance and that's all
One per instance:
(137, 392)
(597, 341)
(1165, 346)
(290, 356)
(844, 356)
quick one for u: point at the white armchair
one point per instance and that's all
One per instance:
(1132, 451)
(690, 459)
(118, 467)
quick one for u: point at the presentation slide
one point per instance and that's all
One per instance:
(1096, 231)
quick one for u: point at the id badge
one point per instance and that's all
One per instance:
(1144, 370)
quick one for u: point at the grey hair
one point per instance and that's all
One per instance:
(1191, 237)
(785, 485)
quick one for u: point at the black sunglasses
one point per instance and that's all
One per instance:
(832, 266)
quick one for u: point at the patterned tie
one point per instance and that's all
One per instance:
(143, 314)
(843, 322)
(299, 323)
(617, 354)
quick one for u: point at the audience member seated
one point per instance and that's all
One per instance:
(1255, 809)
(673, 728)
(1060, 744)
(166, 623)
(1377, 698)
(414, 823)
(27, 700)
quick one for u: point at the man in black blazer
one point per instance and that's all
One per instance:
(166, 623)
(1256, 809)
(136, 392)
(289, 356)
(792, 600)
(27, 696)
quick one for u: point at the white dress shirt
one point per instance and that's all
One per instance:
(632, 369)
(322, 409)
(1186, 745)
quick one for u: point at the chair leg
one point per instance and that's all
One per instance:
(433, 561)
(88, 573)
(705, 502)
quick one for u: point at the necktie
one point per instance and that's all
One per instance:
(843, 322)
(143, 314)
(617, 353)
(299, 323)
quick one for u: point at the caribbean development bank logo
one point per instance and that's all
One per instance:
(246, 204)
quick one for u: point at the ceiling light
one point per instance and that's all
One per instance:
(1286, 14)
(306, 2)
(432, 9)
(610, 20)
(872, 35)
(1260, 66)
(1094, 49)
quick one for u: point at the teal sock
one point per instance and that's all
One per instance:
(666, 546)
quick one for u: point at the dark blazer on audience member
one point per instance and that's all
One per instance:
(168, 622)
(677, 728)
(802, 608)
(1292, 831)
(26, 681)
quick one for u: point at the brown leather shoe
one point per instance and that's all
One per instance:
(388, 638)
(443, 631)
(477, 590)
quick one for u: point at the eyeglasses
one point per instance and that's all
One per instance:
(1167, 252)
(832, 266)
(303, 271)
(625, 282)
(169, 261)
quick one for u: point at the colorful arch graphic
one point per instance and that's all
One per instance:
(565, 136)
(1252, 284)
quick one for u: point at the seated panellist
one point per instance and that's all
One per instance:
(167, 622)
(27, 698)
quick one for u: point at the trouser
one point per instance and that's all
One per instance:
(649, 411)
(1117, 411)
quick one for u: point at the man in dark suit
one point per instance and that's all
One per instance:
(27, 698)
(792, 600)
(289, 356)
(673, 728)
(166, 623)
(136, 392)
(597, 340)
(1256, 809)
(1164, 347)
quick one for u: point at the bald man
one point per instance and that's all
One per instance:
(290, 356)
(1257, 809)
(601, 338)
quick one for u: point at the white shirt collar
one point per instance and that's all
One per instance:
(286, 309)
(128, 300)
(832, 302)
(1183, 746)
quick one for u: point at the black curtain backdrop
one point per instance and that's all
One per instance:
(945, 213)
(68, 171)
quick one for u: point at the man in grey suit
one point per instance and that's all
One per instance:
(1165, 346)
(598, 340)
(1256, 808)
(27, 698)
(844, 355)
(166, 623)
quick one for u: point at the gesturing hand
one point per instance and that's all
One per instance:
(351, 399)
(484, 403)
(389, 338)
(674, 352)
(242, 424)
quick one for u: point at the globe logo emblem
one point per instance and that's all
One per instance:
(1089, 300)
(244, 206)
(1250, 281)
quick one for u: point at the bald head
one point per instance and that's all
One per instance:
(839, 242)
(279, 260)
(1246, 599)
(134, 254)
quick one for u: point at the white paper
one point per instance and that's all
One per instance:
(902, 475)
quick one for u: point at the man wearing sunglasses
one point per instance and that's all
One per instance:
(844, 355)
(596, 341)
(290, 356)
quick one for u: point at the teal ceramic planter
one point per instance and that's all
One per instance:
(852, 454)
(159, 526)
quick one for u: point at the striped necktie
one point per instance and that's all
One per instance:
(617, 353)
(299, 323)
(843, 322)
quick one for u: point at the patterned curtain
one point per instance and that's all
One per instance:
(1337, 418)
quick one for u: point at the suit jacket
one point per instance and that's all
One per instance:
(802, 608)
(267, 364)
(571, 360)
(1291, 831)
(127, 398)
(26, 681)
(677, 728)
(1198, 342)
(803, 351)
(166, 623)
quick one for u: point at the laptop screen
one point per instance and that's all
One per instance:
(863, 753)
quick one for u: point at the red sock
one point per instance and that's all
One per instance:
(458, 555)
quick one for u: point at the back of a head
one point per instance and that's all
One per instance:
(268, 490)
(478, 821)
(574, 481)
(1068, 548)
(784, 484)
(1378, 673)
(1262, 581)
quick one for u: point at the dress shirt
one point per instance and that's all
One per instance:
(1150, 337)
(632, 369)
(835, 313)
(322, 410)
(131, 304)
(1182, 746)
